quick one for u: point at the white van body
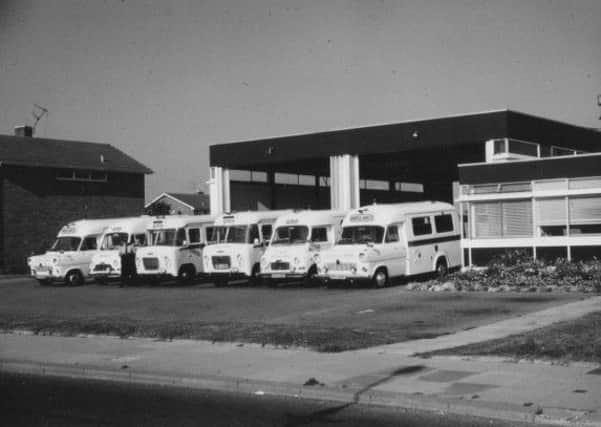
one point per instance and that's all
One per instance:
(106, 262)
(69, 257)
(380, 242)
(296, 238)
(238, 242)
(174, 247)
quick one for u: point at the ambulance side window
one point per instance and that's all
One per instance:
(392, 234)
(180, 237)
(444, 223)
(319, 234)
(253, 234)
(421, 225)
(194, 234)
(266, 232)
(140, 239)
(89, 244)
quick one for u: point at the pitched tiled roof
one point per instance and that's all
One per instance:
(194, 200)
(54, 153)
(197, 200)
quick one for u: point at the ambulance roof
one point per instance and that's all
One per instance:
(310, 217)
(136, 224)
(177, 221)
(250, 217)
(388, 213)
(85, 227)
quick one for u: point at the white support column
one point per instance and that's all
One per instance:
(219, 190)
(344, 182)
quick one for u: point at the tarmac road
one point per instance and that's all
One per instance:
(46, 401)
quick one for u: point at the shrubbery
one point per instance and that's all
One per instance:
(517, 271)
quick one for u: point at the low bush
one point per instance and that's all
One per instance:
(518, 271)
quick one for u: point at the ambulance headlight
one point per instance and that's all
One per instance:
(167, 262)
(354, 270)
(54, 260)
(296, 261)
(115, 263)
(362, 256)
(263, 261)
(239, 260)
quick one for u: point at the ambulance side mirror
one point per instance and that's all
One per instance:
(256, 242)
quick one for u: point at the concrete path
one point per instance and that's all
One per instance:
(536, 392)
(501, 329)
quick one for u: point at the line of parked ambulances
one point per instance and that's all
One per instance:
(376, 243)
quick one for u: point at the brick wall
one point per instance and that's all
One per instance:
(35, 206)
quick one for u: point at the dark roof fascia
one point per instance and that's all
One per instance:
(388, 138)
(431, 133)
(528, 170)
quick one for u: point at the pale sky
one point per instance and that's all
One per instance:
(164, 80)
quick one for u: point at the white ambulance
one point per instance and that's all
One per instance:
(297, 238)
(68, 260)
(174, 247)
(382, 242)
(239, 240)
(106, 262)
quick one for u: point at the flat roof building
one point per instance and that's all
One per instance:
(413, 160)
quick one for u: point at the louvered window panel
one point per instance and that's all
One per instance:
(517, 218)
(551, 211)
(585, 210)
(487, 220)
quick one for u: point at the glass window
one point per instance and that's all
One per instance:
(392, 234)
(236, 234)
(585, 210)
(66, 244)
(139, 240)
(162, 237)
(194, 235)
(421, 225)
(487, 220)
(585, 229)
(181, 237)
(112, 241)
(517, 218)
(89, 244)
(266, 231)
(361, 234)
(499, 146)
(291, 234)
(216, 234)
(319, 234)
(253, 234)
(444, 223)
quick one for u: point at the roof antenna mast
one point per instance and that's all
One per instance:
(38, 112)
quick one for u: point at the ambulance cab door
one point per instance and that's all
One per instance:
(394, 250)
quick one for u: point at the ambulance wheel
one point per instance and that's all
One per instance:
(255, 279)
(186, 274)
(380, 279)
(441, 268)
(74, 278)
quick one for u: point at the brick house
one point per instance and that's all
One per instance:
(182, 203)
(46, 183)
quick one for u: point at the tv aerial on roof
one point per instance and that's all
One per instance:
(38, 112)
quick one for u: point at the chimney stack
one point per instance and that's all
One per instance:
(24, 131)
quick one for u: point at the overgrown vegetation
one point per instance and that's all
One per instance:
(575, 340)
(518, 271)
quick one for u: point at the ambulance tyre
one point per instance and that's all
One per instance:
(186, 274)
(380, 279)
(255, 279)
(441, 267)
(74, 278)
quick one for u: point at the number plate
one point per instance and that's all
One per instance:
(221, 266)
(278, 276)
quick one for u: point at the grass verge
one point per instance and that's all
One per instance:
(322, 339)
(575, 340)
